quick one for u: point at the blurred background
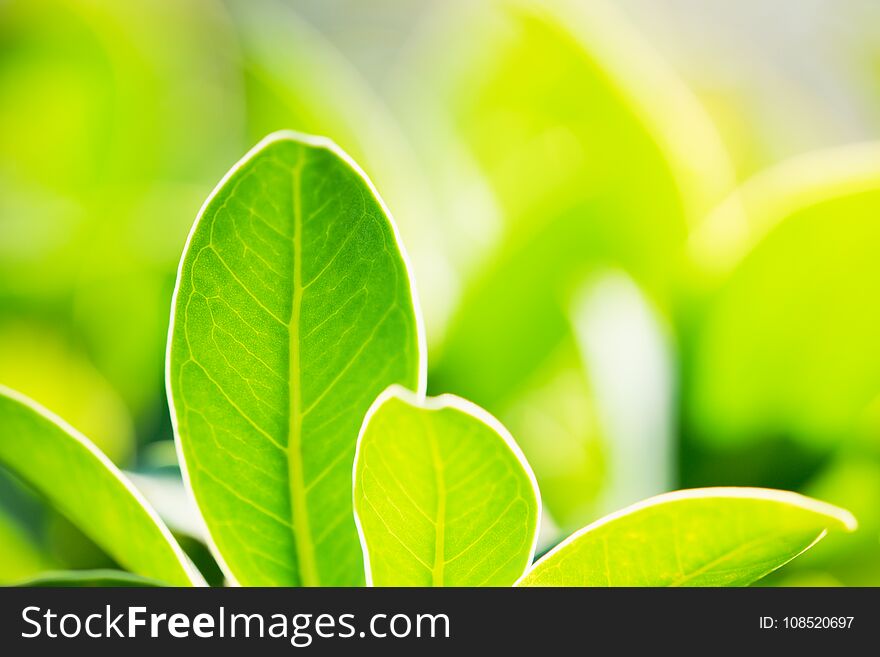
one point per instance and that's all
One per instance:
(644, 233)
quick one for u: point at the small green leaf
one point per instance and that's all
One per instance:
(293, 311)
(88, 578)
(89, 490)
(443, 495)
(701, 537)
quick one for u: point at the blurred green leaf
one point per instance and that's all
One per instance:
(114, 105)
(88, 578)
(784, 337)
(107, 89)
(701, 537)
(119, 77)
(598, 157)
(40, 363)
(557, 425)
(20, 556)
(626, 352)
(130, 351)
(72, 548)
(583, 134)
(597, 420)
(84, 485)
(293, 310)
(443, 495)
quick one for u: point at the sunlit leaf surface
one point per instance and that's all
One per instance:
(443, 495)
(293, 311)
(701, 537)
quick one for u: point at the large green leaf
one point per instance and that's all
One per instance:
(700, 537)
(293, 311)
(785, 339)
(443, 495)
(86, 487)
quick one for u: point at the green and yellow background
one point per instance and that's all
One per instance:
(645, 235)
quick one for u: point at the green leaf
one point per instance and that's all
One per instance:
(700, 537)
(443, 495)
(20, 556)
(785, 336)
(88, 578)
(293, 311)
(88, 489)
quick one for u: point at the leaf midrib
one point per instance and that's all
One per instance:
(302, 533)
(437, 572)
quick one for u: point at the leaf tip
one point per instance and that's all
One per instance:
(844, 519)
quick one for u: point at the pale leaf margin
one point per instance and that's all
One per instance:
(844, 517)
(312, 141)
(440, 402)
(194, 575)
